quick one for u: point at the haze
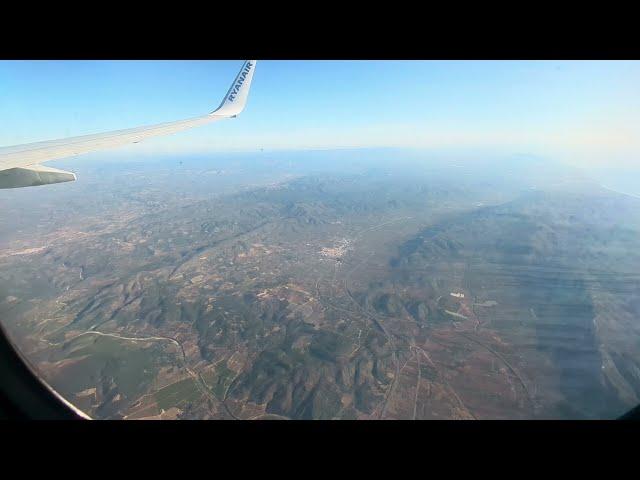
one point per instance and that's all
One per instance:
(585, 113)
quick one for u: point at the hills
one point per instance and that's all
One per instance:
(381, 289)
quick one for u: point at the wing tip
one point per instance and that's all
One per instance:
(235, 100)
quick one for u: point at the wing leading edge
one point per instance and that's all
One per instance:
(19, 164)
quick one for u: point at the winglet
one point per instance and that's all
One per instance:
(236, 98)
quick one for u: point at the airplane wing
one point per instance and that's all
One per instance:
(20, 164)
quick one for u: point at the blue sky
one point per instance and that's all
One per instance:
(583, 113)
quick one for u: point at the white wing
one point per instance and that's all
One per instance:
(19, 164)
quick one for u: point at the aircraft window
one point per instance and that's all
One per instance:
(468, 251)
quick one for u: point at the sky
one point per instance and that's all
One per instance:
(585, 113)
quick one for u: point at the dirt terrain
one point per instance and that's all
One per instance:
(374, 295)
